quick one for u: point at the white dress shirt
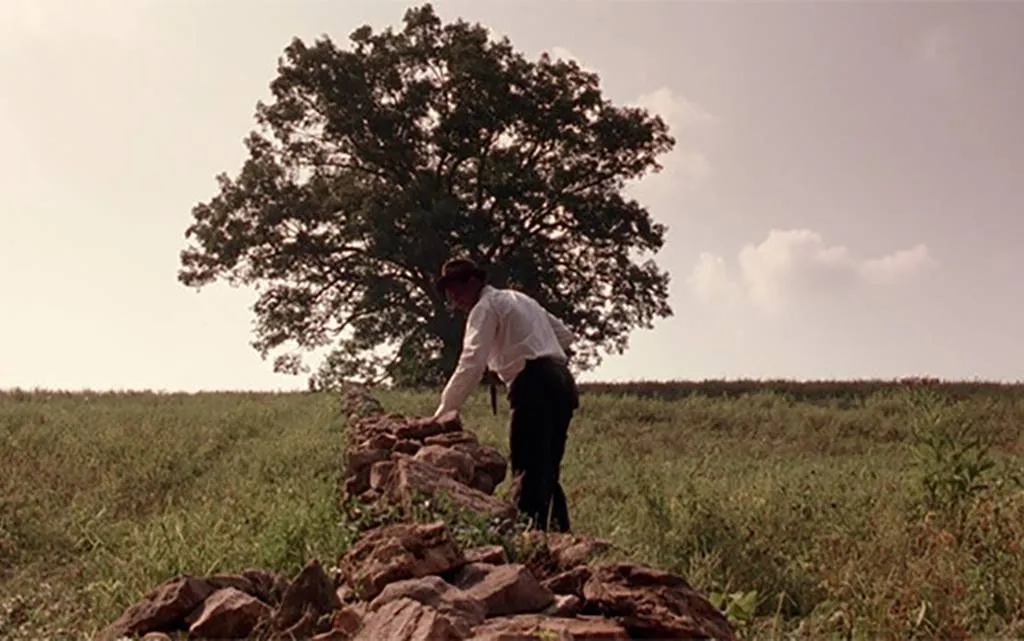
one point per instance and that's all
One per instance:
(504, 329)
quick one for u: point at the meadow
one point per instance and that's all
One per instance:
(859, 510)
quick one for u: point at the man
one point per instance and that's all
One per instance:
(525, 345)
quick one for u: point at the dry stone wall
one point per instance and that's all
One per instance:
(412, 581)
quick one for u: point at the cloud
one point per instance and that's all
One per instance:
(798, 264)
(686, 167)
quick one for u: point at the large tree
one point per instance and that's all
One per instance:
(374, 164)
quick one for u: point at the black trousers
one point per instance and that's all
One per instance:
(543, 398)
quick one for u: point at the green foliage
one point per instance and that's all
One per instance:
(952, 455)
(814, 510)
(373, 165)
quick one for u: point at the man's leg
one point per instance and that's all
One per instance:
(559, 435)
(530, 454)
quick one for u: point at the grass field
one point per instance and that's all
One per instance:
(843, 510)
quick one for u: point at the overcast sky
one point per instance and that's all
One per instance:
(842, 201)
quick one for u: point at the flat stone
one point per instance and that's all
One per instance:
(540, 627)
(460, 608)
(504, 589)
(162, 608)
(650, 603)
(411, 478)
(228, 613)
(400, 551)
(407, 620)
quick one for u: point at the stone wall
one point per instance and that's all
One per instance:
(410, 580)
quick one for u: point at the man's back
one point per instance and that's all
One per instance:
(525, 331)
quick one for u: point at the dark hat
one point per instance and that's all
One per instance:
(459, 269)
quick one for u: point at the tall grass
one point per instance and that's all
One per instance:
(895, 513)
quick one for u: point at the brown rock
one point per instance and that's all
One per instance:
(228, 613)
(407, 620)
(420, 429)
(397, 552)
(488, 460)
(481, 481)
(564, 605)
(412, 477)
(493, 554)
(163, 608)
(268, 587)
(382, 441)
(565, 551)
(265, 586)
(461, 609)
(504, 589)
(569, 582)
(310, 595)
(407, 446)
(380, 474)
(349, 619)
(458, 465)
(450, 439)
(529, 627)
(156, 636)
(358, 459)
(651, 603)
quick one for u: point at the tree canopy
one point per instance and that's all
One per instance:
(374, 164)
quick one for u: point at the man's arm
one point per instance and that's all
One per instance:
(481, 327)
(562, 333)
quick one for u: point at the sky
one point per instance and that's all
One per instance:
(840, 202)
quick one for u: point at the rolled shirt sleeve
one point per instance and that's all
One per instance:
(481, 328)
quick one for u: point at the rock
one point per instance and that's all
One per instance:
(407, 446)
(460, 608)
(450, 439)
(488, 460)
(163, 608)
(228, 613)
(345, 624)
(457, 464)
(541, 627)
(359, 464)
(504, 589)
(349, 619)
(311, 595)
(412, 477)
(397, 552)
(569, 582)
(382, 441)
(407, 620)
(268, 587)
(380, 474)
(419, 429)
(265, 586)
(358, 459)
(156, 636)
(651, 603)
(493, 554)
(563, 551)
(481, 481)
(564, 605)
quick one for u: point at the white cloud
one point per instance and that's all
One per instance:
(686, 168)
(798, 263)
(677, 111)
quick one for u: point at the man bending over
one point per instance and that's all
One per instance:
(525, 345)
